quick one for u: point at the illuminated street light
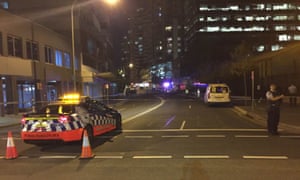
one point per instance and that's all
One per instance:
(130, 65)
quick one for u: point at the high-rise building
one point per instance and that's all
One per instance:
(154, 41)
(213, 28)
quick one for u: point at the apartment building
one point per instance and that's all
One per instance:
(35, 63)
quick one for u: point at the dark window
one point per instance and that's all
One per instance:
(14, 45)
(32, 49)
(1, 46)
(49, 55)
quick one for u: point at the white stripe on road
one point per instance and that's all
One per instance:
(139, 137)
(152, 157)
(193, 130)
(251, 136)
(182, 125)
(265, 157)
(175, 136)
(211, 136)
(108, 157)
(58, 157)
(143, 113)
(206, 157)
(290, 136)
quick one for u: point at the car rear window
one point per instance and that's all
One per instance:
(57, 109)
(219, 89)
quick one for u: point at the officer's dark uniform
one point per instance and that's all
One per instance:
(273, 114)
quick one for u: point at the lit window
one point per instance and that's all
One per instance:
(212, 19)
(280, 18)
(275, 47)
(168, 28)
(234, 8)
(4, 5)
(67, 59)
(284, 37)
(203, 8)
(249, 18)
(280, 28)
(260, 48)
(213, 29)
(58, 58)
(297, 37)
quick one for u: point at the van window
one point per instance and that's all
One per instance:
(219, 89)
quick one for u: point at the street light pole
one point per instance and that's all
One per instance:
(73, 46)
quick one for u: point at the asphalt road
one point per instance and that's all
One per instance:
(168, 138)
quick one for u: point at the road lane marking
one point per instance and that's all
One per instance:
(251, 136)
(139, 137)
(211, 136)
(206, 157)
(175, 136)
(152, 157)
(182, 125)
(58, 157)
(193, 130)
(108, 157)
(145, 112)
(290, 136)
(265, 157)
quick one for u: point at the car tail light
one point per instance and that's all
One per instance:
(23, 120)
(64, 119)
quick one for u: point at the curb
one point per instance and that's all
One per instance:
(262, 121)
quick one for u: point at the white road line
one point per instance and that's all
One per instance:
(139, 137)
(265, 157)
(175, 136)
(211, 136)
(152, 157)
(58, 157)
(108, 157)
(182, 125)
(251, 136)
(206, 157)
(193, 130)
(290, 136)
(143, 113)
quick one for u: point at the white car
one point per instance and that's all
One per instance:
(217, 93)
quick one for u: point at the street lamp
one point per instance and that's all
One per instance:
(110, 2)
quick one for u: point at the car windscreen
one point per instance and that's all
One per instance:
(219, 89)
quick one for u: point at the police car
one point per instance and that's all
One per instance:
(66, 119)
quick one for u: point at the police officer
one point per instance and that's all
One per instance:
(274, 99)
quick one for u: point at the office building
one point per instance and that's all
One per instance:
(213, 28)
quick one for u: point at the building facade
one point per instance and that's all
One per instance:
(154, 44)
(44, 38)
(219, 26)
(33, 59)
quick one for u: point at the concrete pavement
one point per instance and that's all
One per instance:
(289, 116)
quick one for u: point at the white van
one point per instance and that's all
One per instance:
(217, 93)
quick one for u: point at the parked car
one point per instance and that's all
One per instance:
(217, 94)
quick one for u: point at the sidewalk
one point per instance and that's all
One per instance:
(10, 120)
(289, 116)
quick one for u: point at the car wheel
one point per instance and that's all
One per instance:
(118, 122)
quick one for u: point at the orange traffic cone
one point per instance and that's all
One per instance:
(11, 151)
(86, 151)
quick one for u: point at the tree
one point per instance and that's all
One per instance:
(241, 63)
